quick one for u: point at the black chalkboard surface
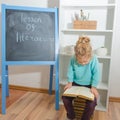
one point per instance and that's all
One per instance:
(30, 35)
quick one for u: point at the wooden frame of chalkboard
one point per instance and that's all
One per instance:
(29, 37)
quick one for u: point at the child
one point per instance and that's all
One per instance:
(83, 70)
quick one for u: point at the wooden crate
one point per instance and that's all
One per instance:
(84, 24)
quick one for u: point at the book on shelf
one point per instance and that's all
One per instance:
(79, 91)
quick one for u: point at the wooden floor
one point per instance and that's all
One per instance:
(23, 105)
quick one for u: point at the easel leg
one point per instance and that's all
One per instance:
(57, 94)
(57, 87)
(51, 79)
(7, 85)
(3, 89)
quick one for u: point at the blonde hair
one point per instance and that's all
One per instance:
(83, 47)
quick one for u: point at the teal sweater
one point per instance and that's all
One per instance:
(84, 74)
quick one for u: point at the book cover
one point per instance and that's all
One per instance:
(79, 91)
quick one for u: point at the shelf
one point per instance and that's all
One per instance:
(84, 30)
(104, 57)
(102, 86)
(101, 57)
(95, 6)
(101, 106)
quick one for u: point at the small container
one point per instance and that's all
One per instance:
(87, 24)
(101, 51)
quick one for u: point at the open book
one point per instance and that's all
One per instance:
(79, 91)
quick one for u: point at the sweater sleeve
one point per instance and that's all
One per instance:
(95, 72)
(70, 72)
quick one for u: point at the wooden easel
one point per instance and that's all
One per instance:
(6, 63)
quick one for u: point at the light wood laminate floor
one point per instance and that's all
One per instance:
(22, 105)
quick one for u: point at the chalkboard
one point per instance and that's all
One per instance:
(30, 35)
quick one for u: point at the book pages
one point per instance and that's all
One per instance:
(82, 92)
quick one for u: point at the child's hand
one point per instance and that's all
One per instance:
(69, 85)
(95, 92)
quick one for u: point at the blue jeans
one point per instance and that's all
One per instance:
(89, 109)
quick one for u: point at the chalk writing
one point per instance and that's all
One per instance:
(30, 19)
(27, 37)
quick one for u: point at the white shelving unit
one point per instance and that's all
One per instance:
(103, 11)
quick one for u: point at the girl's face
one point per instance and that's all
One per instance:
(83, 60)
